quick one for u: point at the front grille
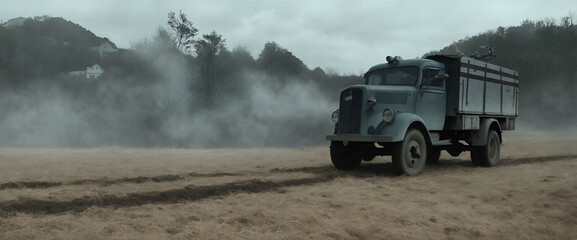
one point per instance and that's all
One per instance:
(350, 111)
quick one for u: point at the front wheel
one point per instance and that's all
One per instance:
(410, 155)
(488, 155)
(344, 157)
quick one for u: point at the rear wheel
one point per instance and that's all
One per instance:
(344, 157)
(488, 155)
(410, 155)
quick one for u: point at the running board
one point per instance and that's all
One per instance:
(436, 142)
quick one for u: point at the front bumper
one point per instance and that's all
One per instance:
(359, 138)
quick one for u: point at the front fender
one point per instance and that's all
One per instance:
(399, 126)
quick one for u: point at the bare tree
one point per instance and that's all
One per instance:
(183, 29)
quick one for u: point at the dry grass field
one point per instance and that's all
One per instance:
(121, 193)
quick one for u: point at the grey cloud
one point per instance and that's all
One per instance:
(341, 35)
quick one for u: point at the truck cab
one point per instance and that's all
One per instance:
(406, 109)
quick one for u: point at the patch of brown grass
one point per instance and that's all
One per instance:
(116, 193)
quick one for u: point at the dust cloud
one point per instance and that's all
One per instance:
(253, 109)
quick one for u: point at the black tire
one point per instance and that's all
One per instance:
(344, 157)
(410, 155)
(488, 155)
(367, 151)
(433, 154)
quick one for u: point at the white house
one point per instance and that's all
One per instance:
(93, 71)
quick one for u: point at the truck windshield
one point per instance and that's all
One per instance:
(394, 76)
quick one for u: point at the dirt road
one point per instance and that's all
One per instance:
(119, 193)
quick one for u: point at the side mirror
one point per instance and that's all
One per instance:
(442, 76)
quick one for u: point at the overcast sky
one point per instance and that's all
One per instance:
(342, 36)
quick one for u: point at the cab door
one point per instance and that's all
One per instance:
(432, 99)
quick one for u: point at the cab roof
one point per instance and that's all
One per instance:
(408, 63)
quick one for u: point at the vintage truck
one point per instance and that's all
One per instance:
(414, 109)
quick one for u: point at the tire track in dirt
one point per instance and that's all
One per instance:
(530, 160)
(194, 193)
(189, 193)
(108, 182)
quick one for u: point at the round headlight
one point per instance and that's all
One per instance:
(335, 116)
(388, 115)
